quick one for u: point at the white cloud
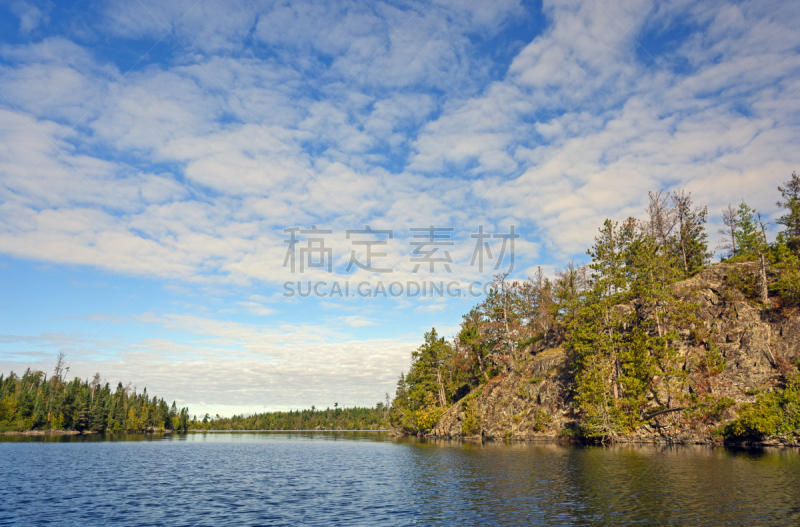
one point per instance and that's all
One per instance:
(29, 15)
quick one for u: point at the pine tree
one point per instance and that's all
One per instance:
(790, 191)
(183, 418)
(594, 333)
(568, 290)
(660, 312)
(747, 234)
(502, 320)
(691, 238)
(471, 343)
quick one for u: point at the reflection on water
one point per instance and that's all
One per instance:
(321, 478)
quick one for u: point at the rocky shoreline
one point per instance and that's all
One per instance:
(780, 441)
(533, 401)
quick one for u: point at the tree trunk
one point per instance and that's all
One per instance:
(480, 362)
(683, 254)
(658, 323)
(442, 399)
(509, 341)
(763, 279)
(683, 241)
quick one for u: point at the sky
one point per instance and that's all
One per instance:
(161, 164)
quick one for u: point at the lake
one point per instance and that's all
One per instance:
(368, 478)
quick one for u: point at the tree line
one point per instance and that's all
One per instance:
(355, 418)
(35, 402)
(618, 317)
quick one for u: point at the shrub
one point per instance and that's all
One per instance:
(787, 265)
(522, 391)
(569, 430)
(542, 421)
(472, 423)
(528, 341)
(707, 408)
(788, 286)
(427, 417)
(773, 413)
(745, 281)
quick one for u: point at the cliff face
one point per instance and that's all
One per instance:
(534, 401)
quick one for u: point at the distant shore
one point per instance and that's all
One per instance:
(162, 431)
(199, 430)
(79, 432)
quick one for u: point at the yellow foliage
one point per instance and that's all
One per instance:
(427, 417)
(8, 407)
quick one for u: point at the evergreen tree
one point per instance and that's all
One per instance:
(34, 402)
(622, 318)
(748, 236)
(691, 238)
(569, 288)
(790, 191)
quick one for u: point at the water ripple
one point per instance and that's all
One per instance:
(369, 478)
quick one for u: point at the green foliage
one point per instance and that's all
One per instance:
(427, 417)
(622, 318)
(744, 280)
(787, 285)
(706, 408)
(790, 192)
(8, 409)
(712, 363)
(355, 418)
(775, 412)
(530, 340)
(749, 239)
(690, 244)
(34, 402)
(474, 347)
(435, 378)
(471, 424)
(639, 368)
(593, 398)
(542, 421)
(622, 358)
(569, 431)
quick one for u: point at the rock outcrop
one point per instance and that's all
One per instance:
(534, 400)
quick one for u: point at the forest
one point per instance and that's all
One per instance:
(329, 419)
(624, 365)
(36, 402)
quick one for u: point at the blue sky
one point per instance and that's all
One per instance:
(153, 153)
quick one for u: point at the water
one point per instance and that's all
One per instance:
(363, 478)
